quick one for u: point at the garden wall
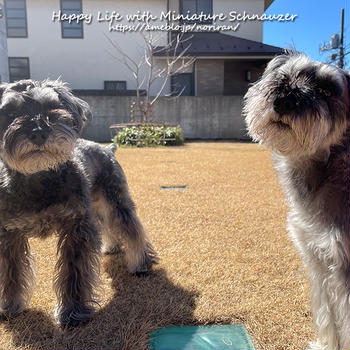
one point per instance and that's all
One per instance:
(207, 117)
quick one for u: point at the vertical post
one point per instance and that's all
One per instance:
(167, 21)
(341, 44)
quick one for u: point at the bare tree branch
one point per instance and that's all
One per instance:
(146, 72)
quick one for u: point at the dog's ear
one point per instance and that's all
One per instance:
(9, 98)
(21, 85)
(347, 78)
(18, 86)
(77, 107)
(2, 89)
(10, 93)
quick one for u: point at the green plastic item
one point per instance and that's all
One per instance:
(230, 337)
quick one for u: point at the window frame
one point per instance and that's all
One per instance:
(28, 64)
(173, 92)
(209, 21)
(62, 23)
(25, 21)
(105, 82)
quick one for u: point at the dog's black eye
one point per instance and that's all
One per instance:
(327, 88)
(12, 116)
(58, 116)
(51, 118)
(324, 92)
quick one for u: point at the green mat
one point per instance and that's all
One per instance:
(230, 337)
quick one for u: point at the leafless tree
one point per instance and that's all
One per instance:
(146, 71)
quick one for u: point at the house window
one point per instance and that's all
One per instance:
(182, 84)
(191, 7)
(16, 18)
(18, 68)
(73, 29)
(115, 85)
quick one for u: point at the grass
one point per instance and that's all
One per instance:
(225, 257)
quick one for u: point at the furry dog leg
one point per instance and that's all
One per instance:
(116, 212)
(77, 269)
(140, 255)
(16, 274)
(120, 221)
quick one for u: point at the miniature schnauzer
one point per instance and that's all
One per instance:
(53, 182)
(300, 110)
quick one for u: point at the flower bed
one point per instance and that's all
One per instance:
(147, 135)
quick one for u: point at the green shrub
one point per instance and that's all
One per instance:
(149, 135)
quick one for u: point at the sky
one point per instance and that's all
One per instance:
(317, 20)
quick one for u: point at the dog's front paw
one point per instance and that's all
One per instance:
(73, 316)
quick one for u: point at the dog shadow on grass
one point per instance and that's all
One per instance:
(139, 306)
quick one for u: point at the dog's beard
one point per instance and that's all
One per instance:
(23, 156)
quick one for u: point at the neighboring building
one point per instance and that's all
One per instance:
(224, 65)
(4, 71)
(82, 55)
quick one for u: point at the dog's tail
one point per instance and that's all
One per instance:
(112, 147)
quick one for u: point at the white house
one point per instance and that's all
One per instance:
(4, 72)
(43, 44)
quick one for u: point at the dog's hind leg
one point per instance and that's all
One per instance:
(140, 255)
(103, 217)
(16, 274)
(123, 223)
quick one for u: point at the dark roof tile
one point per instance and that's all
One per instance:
(219, 44)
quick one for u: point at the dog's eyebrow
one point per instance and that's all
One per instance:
(308, 72)
(58, 111)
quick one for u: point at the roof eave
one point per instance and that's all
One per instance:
(267, 3)
(265, 56)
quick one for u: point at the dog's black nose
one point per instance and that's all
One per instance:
(39, 136)
(284, 105)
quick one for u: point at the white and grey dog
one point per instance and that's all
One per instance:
(53, 182)
(300, 110)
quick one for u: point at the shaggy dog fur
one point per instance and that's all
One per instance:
(300, 111)
(53, 182)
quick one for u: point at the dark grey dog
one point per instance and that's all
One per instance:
(51, 181)
(301, 111)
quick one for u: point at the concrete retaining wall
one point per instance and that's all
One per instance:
(209, 117)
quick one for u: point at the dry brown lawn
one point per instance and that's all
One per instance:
(225, 257)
